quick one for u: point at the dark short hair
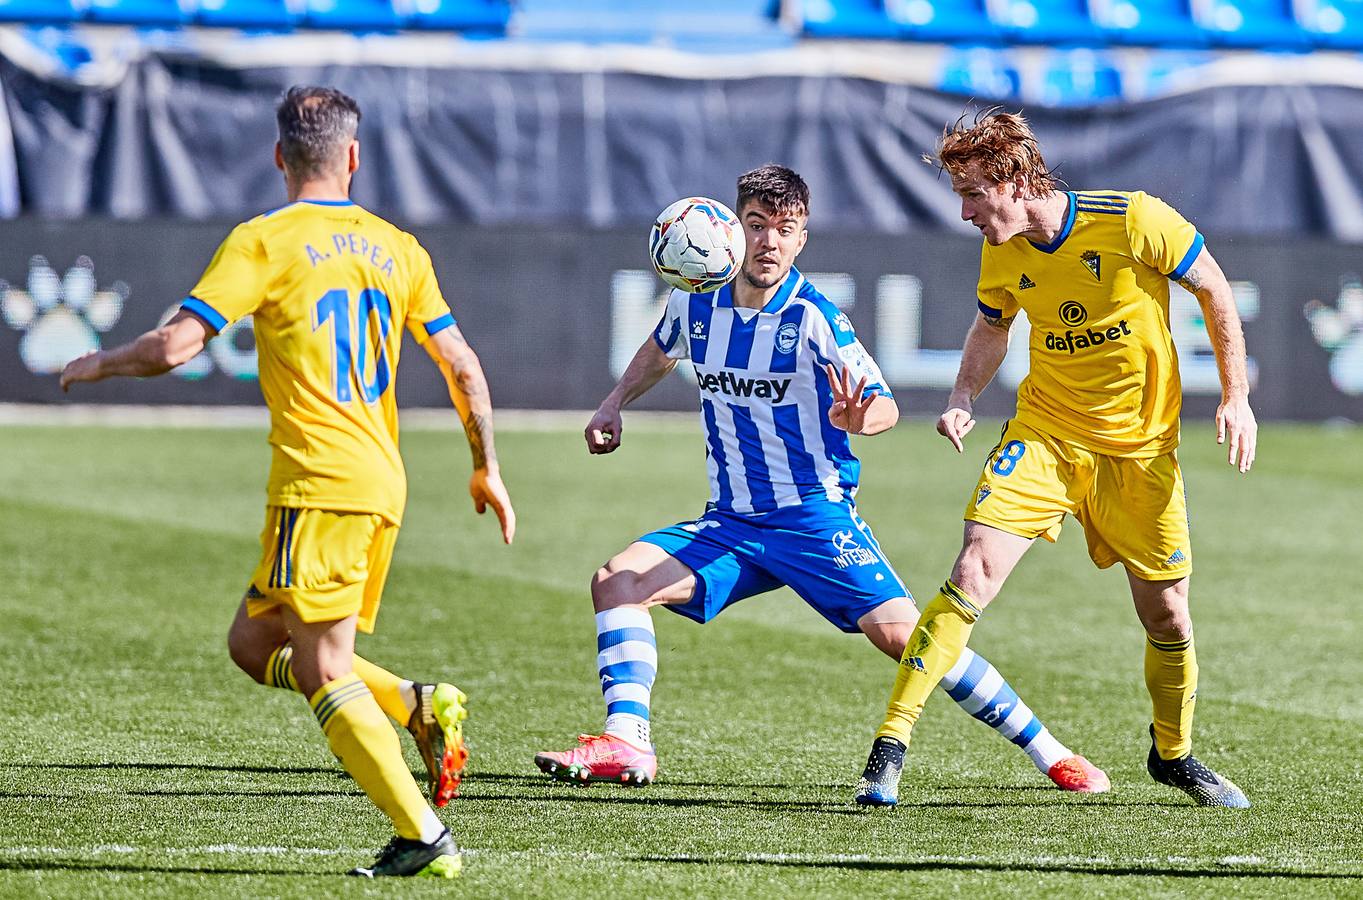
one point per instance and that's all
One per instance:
(316, 124)
(777, 188)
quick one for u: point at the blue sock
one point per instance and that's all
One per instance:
(627, 658)
(979, 689)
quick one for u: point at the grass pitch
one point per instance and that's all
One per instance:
(135, 761)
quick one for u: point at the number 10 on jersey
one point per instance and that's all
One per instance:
(348, 365)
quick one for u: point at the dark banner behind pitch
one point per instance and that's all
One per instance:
(555, 315)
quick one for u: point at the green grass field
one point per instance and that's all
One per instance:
(135, 761)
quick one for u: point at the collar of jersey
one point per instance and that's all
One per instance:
(1064, 232)
(724, 297)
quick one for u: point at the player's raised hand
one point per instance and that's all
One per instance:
(603, 432)
(955, 424)
(486, 489)
(1235, 421)
(848, 411)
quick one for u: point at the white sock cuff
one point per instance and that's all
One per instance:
(623, 617)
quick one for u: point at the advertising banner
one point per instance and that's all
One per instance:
(556, 314)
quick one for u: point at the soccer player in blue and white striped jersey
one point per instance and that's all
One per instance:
(783, 381)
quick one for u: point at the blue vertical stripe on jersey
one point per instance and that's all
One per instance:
(802, 468)
(741, 334)
(754, 462)
(835, 442)
(786, 362)
(700, 310)
(726, 491)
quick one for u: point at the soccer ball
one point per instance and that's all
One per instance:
(696, 245)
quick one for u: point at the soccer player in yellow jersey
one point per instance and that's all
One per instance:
(331, 287)
(1096, 429)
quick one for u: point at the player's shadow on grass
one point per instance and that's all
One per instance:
(53, 865)
(937, 865)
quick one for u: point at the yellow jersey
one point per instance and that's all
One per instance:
(1104, 371)
(330, 286)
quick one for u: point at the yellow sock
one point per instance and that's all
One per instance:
(383, 684)
(1171, 678)
(368, 748)
(933, 648)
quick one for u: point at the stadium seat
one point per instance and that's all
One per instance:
(1164, 70)
(980, 72)
(1080, 77)
(50, 11)
(1045, 21)
(847, 19)
(1265, 24)
(166, 13)
(351, 15)
(475, 18)
(1150, 23)
(949, 21)
(698, 24)
(1333, 24)
(263, 15)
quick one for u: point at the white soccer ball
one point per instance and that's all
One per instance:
(696, 245)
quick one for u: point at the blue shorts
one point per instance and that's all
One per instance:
(824, 551)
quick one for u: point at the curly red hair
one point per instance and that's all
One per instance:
(1003, 145)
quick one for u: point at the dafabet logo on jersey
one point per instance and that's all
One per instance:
(1073, 314)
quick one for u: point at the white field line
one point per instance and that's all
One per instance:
(239, 850)
(255, 417)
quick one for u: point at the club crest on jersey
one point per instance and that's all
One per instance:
(1093, 262)
(849, 552)
(787, 336)
(1025, 283)
(983, 495)
(698, 330)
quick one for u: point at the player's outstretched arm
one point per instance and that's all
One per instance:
(646, 369)
(986, 344)
(856, 410)
(1234, 417)
(469, 393)
(154, 353)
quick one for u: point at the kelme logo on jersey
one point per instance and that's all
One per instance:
(787, 336)
(1073, 314)
(698, 330)
(1071, 343)
(850, 553)
(727, 382)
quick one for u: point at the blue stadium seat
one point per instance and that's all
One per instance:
(847, 19)
(1150, 23)
(262, 15)
(1046, 21)
(1079, 77)
(697, 24)
(1334, 24)
(54, 11)
(352, 15)
(1252, 23)
(475, 18)
(1162, 72)
(949, 21)
(166, 13)
(980, 72)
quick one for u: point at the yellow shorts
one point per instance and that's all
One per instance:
(1133, 511)
(323, 565)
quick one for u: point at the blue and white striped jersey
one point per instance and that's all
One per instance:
(764, 396)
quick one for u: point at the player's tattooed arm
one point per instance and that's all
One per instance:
(468, 391)
(1194, 279)
(1003, 323)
